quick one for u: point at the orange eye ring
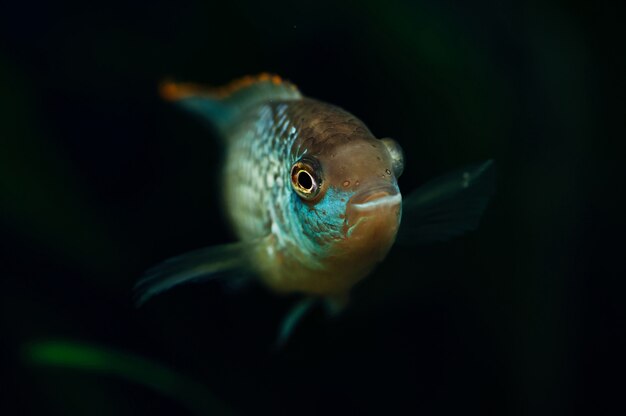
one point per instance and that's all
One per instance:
(305, 180)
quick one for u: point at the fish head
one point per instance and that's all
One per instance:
(348, 187)
(364, 173)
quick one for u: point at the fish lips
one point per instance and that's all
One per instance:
(374, 212)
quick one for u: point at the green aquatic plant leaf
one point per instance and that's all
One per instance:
(79, 356)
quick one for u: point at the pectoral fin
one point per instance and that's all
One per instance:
(291, 320)
(447, 206)
(206, 263)
(333, 305)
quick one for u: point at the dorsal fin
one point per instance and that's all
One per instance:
(222, 105)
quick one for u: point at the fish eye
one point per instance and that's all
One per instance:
(397, 155)
(305, 180)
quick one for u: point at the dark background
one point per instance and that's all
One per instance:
(99, 179)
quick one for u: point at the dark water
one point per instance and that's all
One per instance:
(99, 180)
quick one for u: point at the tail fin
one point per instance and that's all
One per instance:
(222, 105)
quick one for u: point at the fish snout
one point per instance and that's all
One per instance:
(375, 196)
(382, 202)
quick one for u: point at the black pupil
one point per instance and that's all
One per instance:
(305, 180)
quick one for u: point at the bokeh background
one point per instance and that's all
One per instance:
(100, 179)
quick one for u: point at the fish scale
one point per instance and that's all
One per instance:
(254, 163)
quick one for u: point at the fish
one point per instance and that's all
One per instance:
(311, 194)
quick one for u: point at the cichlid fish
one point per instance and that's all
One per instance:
(311, 194)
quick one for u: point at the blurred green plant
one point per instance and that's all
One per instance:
(79, 356)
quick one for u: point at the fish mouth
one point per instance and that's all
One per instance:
(372, 221)
(378, 197)
(376, 205)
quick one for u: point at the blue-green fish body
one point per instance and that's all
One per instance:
(311, 243)
(311, 193)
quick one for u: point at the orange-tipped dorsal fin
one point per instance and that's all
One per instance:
(222, 105)
(174, 91)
